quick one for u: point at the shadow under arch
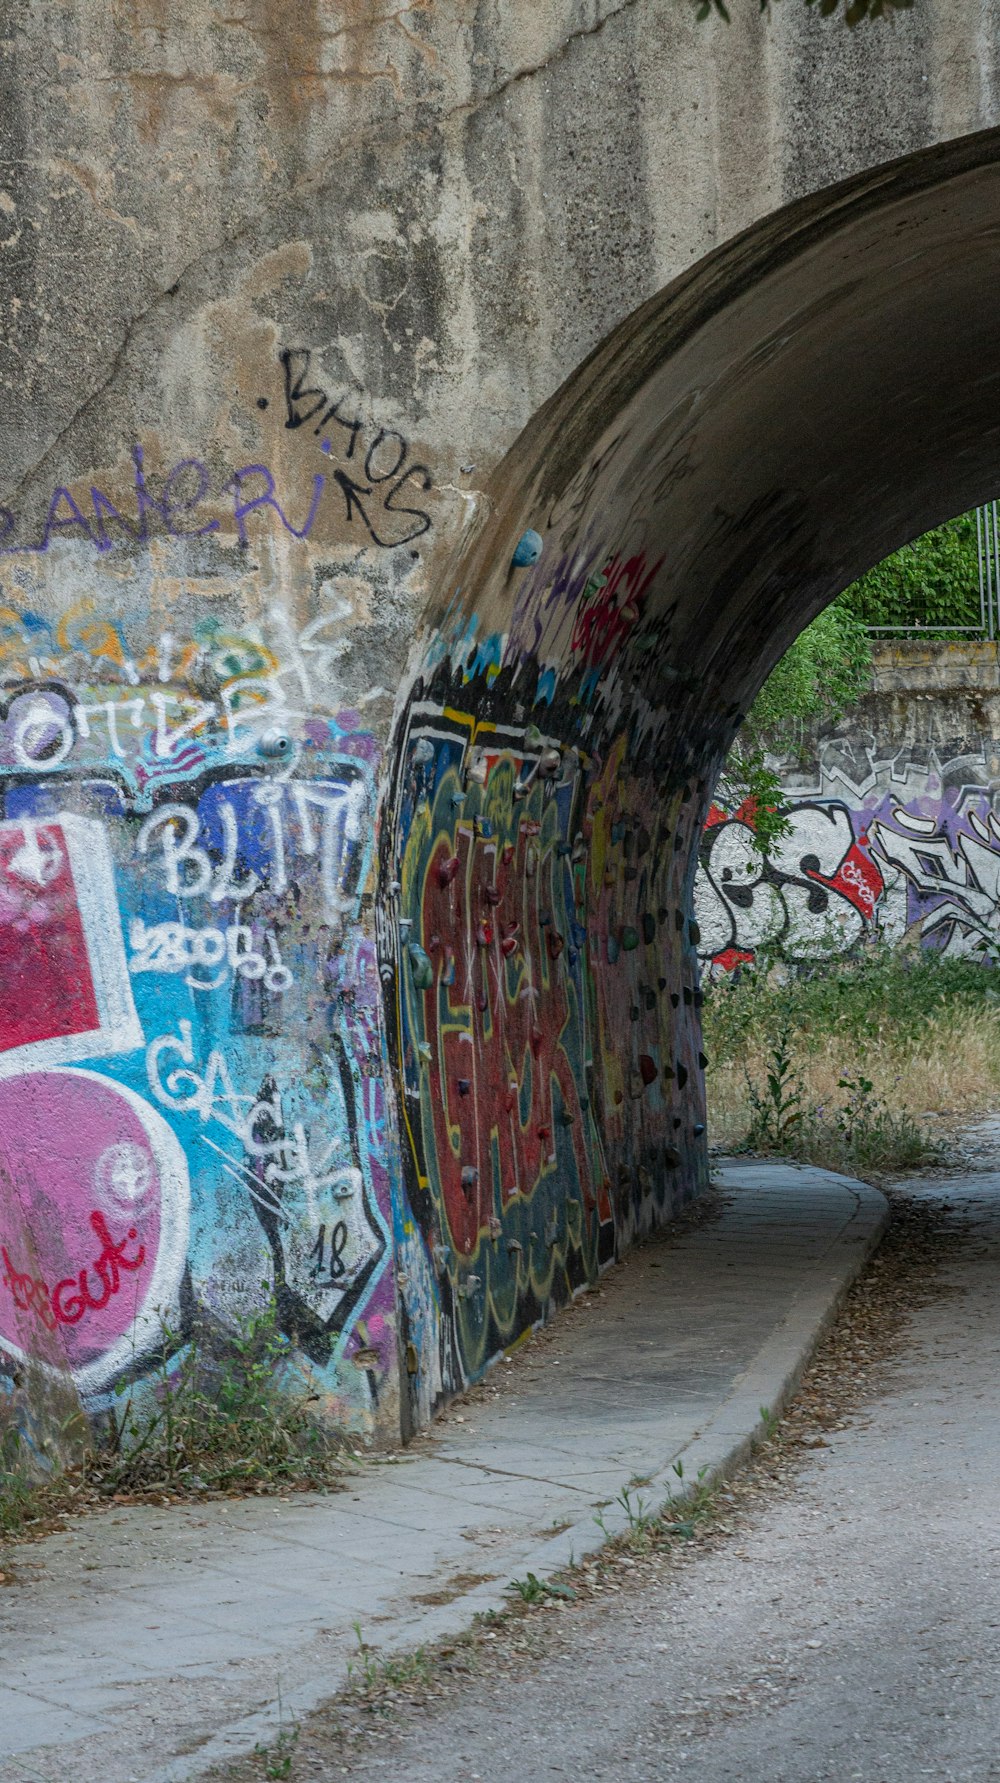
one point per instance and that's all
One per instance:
(807, 398)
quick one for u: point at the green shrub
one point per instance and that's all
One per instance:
(884, 991)
(932, 582)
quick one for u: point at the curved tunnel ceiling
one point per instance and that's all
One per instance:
(803, 401)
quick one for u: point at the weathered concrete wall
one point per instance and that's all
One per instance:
(280, 290)
(895, 824)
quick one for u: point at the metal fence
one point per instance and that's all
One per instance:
(984, 624)
(988, 542)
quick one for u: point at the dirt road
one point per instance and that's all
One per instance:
(847, 1628)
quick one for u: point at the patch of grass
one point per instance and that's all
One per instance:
(883, 993)
(856, 1132)
(276, 1759)
(859, 1050)
(371, 1672)
(219, 1414)
(21, 1495)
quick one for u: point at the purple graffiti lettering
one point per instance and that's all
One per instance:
(145, 502)
(268, 499)
(55, 522)
(104, 511)
(172, 505)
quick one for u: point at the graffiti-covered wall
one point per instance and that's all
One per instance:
(192, 1106)
(537, 925)
(893, 825)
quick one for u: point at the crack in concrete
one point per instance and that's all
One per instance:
(508, 1473)
(307, 190)
(548, 61)
(89, 400)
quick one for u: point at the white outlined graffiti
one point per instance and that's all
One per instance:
(816, 894)
(66, 985)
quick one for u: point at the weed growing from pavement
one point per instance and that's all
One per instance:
(371, 1671)
(216, 1415)
(384, 1696)
(276, 1759)
(532, 1590)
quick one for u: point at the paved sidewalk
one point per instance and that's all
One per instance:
(146, 1644)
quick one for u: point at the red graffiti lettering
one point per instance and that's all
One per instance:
(71, 1298)
(501, 1015)
(610, 608)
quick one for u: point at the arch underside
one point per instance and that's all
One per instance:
(802, 402)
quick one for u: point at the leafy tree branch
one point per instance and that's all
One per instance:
(853, 13)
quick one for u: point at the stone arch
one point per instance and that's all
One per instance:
(799, 403)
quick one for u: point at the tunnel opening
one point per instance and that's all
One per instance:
(805, 400)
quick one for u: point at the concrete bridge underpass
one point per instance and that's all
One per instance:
(371, 644)
(802, 402)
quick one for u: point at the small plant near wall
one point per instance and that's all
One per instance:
(777, 1103)
(837, 1065)
(222, 1413)
(858, 1133)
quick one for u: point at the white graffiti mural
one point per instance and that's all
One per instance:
(927, 869)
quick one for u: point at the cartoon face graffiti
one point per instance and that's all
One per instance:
(814, 894)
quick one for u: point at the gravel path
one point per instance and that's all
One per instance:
(846, 1625)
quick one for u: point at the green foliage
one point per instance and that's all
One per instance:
(823, 672)
(857, 1001)
(373, 1670)
(226, 1414)
(19, 1490)
(932, 582)
(887, 1004)
(533, 1590)
(277, 1759)
(776, 1107)
(854, 10)
(749, 782)
(858, 1134)
(820, 675)
(218, 1416)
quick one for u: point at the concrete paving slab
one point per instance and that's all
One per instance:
(148, 1628)
(26, 1722)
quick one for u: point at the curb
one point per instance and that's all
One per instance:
(710, 1454)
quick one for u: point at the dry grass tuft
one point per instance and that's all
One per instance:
(921, 1031)
(955, 1070)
